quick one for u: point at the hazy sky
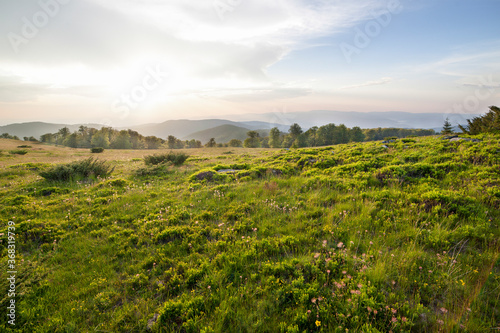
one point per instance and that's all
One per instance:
(138, 61)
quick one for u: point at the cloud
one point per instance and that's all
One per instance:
(13, 90)
(257, 95)
(382, 81)
(89, 47)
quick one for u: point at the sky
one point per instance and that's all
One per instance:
(140, 61)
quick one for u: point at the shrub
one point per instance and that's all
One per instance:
(24, 146)
(96, 150)
(18, 152)
(88, 168)
(168, 158)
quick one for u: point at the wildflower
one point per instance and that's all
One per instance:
(316, 255)
(440, 322)
(403, 319)
(340, 245)
(308, 311)
(328, 271)
(360, 285)
(443, 310)
(313, 300)
(394, 319)
(369, 309)
(344, 272)
(209, 287)
(318, 323)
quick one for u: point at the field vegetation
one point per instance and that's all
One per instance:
(358, 237)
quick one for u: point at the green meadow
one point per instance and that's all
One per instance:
(357, 237)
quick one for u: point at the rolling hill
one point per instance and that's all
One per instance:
(223, 134)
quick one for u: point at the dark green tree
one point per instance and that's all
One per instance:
(171, 141)
(447, 127)
(275, 138)
(295, 130)
(235, 143)
(488, 123)
(252, 141)
(122, 141)
(356, 134)
(211, 143)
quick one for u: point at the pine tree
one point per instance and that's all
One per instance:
(447, 127)
(489, 123)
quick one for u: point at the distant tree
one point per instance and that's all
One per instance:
(264, 142)
(136, 140)
(121, 141)
(211, 143)
(193, 144)
(341, 134)
(171, 141)
(325, 135)
(287, 141)
(100, 139)
(235, 143)
(47, 138)
(311, 136)
(274, 138)
(300, 141)
(152, 142)
(71, 140)
(447, 127)
(295, 130)
(356, 134)
(252, 141)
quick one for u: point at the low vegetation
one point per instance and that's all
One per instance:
(168, 158)
(87, 169)
(401, 236)
(18, 152)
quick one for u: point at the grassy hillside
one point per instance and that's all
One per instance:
(354, 237)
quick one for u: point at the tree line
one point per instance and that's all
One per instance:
(330, 134)
(108, 137)
(326, 135)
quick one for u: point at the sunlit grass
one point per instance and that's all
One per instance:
(345, 237)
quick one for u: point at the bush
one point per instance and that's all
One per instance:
(24, 146)
(96, 150)
(169, 158)
(78, 170)
(18, 152)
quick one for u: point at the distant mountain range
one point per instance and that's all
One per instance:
(224, 130)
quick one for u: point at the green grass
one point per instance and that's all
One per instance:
(353, 236)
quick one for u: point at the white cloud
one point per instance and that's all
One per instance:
(99, 48)
(382, 81)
